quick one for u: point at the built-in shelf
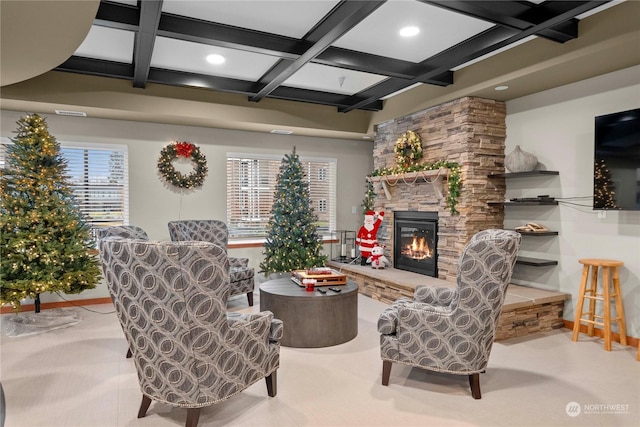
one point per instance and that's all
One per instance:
(535, 262)
(521, 260)
(428, 176)
(537, 233)
(522, 174)
(532, 203)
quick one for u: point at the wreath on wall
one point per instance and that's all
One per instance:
(176, 178)
(408, 149)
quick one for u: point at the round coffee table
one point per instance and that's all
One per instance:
(312, 319)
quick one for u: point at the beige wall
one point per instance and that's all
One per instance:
(152, 205)
(555, 125)
(558, 127)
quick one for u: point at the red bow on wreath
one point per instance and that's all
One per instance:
(184, 149)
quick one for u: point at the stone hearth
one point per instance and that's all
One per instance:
(525, 311)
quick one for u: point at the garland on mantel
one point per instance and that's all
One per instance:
(454, 179)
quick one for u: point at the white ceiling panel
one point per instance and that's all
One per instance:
(181, 55)
(107, 43)
(439, 30)
(370, 61)
(286, 18)
(332, 79)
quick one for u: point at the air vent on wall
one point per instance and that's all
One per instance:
(282, 132)
(71, 113)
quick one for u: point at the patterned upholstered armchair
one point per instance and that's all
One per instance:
(216, 232)
(451, 330)
(121, 232)
(170, 298)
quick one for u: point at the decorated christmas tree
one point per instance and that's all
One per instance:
(44, 242)
(604, 188)
(292, 239)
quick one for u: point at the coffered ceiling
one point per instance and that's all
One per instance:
(346, 56)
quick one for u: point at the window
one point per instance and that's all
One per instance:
(322, 174)
(99, 178)
(251, 183)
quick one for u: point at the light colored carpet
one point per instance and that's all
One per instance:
(79, 377)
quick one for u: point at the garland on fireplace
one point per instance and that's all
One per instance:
(186, 150)
(454, 179)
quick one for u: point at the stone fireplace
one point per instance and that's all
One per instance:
(469, 131)
(416, 242)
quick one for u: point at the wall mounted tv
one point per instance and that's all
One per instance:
(616, 173)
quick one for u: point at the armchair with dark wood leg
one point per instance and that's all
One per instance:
(170, 298)
(451, 330)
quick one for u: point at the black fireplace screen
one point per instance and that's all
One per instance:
(416, 242)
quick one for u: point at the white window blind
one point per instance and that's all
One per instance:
(251, 184)
(99, 178)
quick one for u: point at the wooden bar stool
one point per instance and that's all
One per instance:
(610, 289)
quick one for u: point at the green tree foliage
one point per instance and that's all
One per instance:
(369, 198)
(44, 242)
(292, 239)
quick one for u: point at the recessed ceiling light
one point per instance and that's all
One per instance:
(282, 132)
(409, 31)
(502, 87)
(215, 59)
(366, 137)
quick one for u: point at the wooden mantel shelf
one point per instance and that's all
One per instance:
(429, 176)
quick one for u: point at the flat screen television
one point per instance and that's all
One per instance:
(616, 173)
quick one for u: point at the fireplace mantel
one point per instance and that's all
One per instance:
(432, 177)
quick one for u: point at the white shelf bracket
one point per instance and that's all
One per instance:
(385, 189)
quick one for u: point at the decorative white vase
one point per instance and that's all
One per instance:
(520, 161)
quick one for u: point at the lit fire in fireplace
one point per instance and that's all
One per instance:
(418, 249)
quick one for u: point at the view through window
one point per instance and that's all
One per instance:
(99, 178)
(251, 183)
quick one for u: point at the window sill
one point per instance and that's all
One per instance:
(258, 243)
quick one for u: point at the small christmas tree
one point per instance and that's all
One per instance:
(604, 188)
(369, 198)
(44, 242)
(292, 239)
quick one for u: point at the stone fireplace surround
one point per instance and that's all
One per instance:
(470, 131)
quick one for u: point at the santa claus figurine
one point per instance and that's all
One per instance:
(366, 238)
